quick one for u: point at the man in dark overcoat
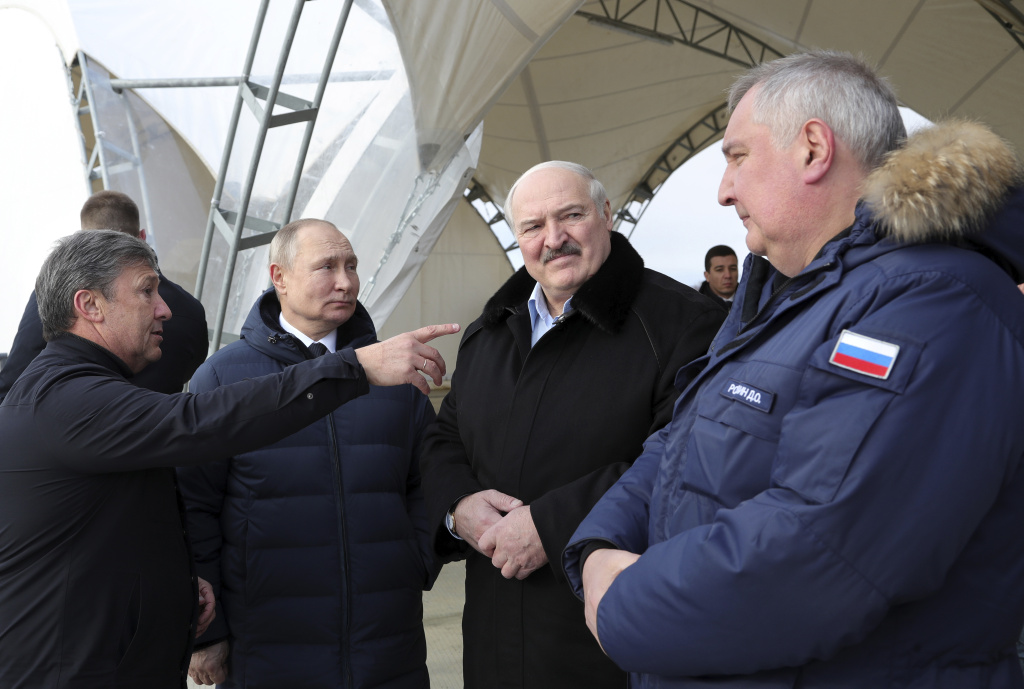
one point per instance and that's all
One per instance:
(571, 366)
(96, 589)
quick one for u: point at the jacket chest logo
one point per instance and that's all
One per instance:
(865, 355)
(749, 395)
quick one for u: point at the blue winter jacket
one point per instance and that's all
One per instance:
(821, 516)
(316, 546)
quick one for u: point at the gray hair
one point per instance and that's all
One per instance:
(284, 246)
(597, 192)
(838, 88)
(84, 260)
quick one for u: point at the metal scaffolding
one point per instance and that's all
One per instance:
(241, 231)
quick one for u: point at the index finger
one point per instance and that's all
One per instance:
(429, 332)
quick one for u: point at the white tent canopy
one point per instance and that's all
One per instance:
(631, 89)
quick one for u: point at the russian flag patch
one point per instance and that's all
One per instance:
(865, 355)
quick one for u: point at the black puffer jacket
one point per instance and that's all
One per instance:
(317, 545)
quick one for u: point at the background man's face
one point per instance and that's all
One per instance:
(318, 291)
(563, 236)
(134, 319)
(722, 277)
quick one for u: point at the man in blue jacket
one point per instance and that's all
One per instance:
(316, 546)
(837, 500)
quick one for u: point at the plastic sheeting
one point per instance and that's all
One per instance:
(42, 183)
(396, 139)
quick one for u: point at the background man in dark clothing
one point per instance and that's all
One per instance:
(96, 589)
(721, 275)
(185, 336)
(571, 366)
(317, 546)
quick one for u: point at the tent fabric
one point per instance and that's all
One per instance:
(547, 82)
(615, 101)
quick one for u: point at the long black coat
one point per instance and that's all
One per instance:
(184, 346)
(95, 584)
(555, 426)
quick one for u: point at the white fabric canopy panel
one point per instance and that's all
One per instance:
(617, 98)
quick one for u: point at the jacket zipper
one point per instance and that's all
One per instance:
(346, 610)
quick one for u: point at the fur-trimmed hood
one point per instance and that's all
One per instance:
(956, 182)
(604, 299)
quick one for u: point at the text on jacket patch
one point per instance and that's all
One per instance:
(748, 394)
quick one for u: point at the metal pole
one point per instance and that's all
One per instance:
(137, 152)
(243, 206)
(76, 101)
(82, 62)
(307, 135)
(218, 189)
(120, 85)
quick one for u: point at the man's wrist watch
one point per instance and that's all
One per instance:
(449, 521)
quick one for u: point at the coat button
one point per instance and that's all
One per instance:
(309, 395)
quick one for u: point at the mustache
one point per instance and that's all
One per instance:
(567, 249)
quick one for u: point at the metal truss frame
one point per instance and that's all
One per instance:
(694, 140)
(678, 21)
(664, 21)
(1009, 17)
(103, 158)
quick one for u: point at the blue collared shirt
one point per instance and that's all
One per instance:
(541, 319)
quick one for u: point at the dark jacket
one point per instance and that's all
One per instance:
(95, 584)
(823, 517)
(318, 562)
(554, 426)
(184, 346)
(706, 290)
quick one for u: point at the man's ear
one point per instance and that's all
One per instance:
(606, 212)
(277, 278)
(819, 149)
(87, 305)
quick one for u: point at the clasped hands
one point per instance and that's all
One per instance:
(501, 527)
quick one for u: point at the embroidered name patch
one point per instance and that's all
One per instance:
(865, 355)
(748, 394)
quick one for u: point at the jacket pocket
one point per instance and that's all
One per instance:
(130, 619)
(736, 433)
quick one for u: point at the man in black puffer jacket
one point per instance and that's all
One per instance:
(318, 562)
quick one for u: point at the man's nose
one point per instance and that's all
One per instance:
(163, 311)
(725, 192)
(555, 235)
(343, 280)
